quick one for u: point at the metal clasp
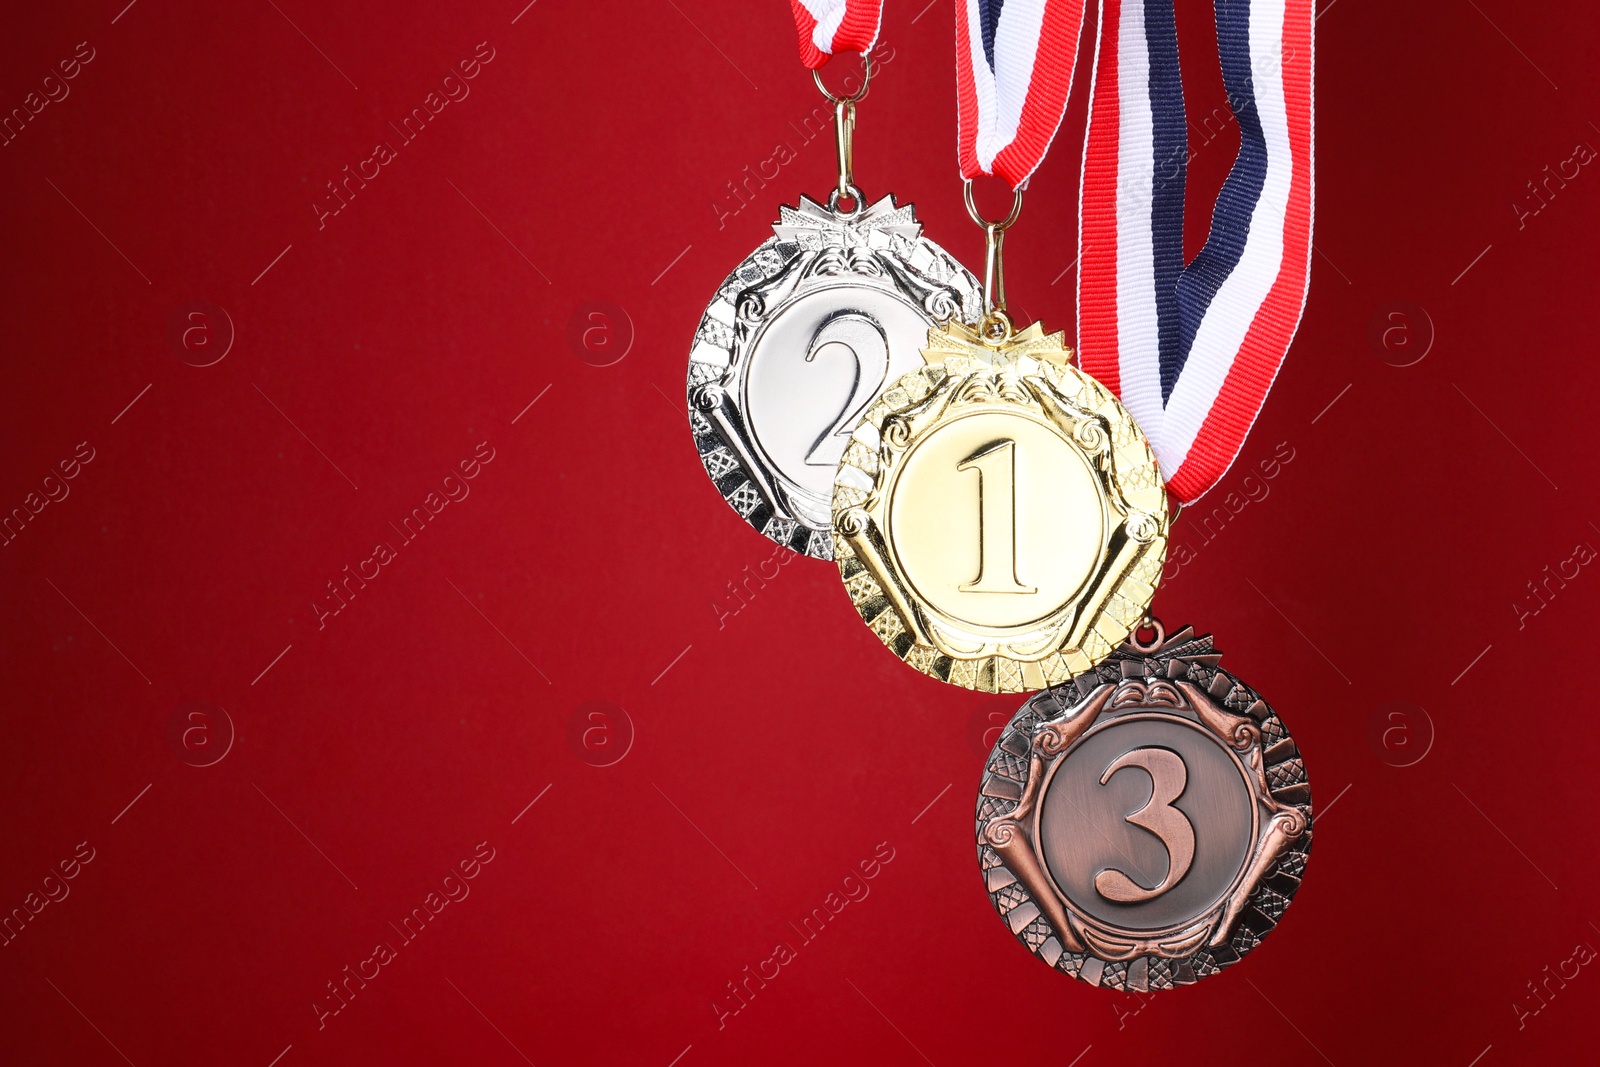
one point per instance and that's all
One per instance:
(844, 125)
(996, 327)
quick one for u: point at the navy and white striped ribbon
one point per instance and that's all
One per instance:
(1193, 349)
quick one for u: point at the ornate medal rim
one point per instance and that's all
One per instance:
(814, 246)
(1181, 678)
(957, 381)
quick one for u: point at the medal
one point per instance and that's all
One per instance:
(1000, 522)
(808, 330)
(1147, 824)
(999, 518)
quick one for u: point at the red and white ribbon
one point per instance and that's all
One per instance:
(828, 27)
(1014, 61)
(1193, 349)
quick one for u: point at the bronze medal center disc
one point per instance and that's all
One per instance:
(996, 519)
(816, 365)
(1150, 797)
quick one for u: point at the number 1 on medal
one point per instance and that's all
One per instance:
(996, 465)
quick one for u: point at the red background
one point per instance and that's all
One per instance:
(773, 752)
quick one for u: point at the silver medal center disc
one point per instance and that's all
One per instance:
(815, 366)
(800, 340)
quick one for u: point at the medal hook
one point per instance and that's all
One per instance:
(844, 125)
(996, 327)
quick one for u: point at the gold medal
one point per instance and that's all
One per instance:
(998, 518)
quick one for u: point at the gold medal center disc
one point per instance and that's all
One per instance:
(996, 518)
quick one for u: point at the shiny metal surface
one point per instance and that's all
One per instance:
(801, 339)
(1106, 854)
(1146, 824)
(814, 368)
(1030, 548)
(999, 520)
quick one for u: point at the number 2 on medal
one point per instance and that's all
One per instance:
(996, 464)
(1168, 776)
(868, 348)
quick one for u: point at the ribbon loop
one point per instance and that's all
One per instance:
(1193, 349)
(1014, 63)
(828, 27)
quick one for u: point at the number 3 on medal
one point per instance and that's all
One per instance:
(1168, 776)
(868, 349)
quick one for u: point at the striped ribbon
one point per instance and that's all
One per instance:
(1193, 349)
(1014, 61)
(828, 27)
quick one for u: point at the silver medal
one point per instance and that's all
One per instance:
(799, 341)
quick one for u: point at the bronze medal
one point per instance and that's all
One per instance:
(1146, 824)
